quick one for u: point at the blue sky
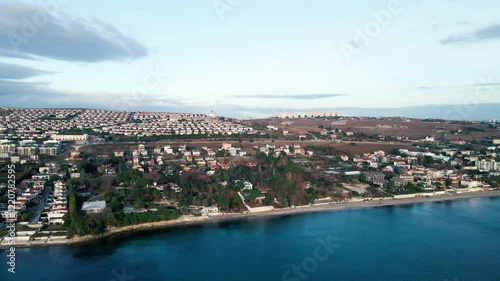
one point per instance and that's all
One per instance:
(248, 57)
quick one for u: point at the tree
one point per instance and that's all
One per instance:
(428, 161)
(240, 185)
(146, 168)
(139, 204)
(223, 203)
(395, 151)
(109, 218)
(448, 182)
(94, 224)
(115, 204)
(55, 178)
(184, 210)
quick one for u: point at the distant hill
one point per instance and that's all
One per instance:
(478, 112)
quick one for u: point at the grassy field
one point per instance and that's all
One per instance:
(415, 128)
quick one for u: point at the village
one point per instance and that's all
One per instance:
(40, 124)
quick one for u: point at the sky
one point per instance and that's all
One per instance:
(249, 58)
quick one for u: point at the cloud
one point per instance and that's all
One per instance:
(423, 88)
(488, 33)
(29, 30)
(40, 95)
(298, 97)
(12, 71)
(464, 23)
(12, 53)
(18, 89)
(486, 84)
(454, 40)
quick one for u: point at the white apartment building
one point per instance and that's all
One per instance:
(487, 165)
(83, 137)
(7, 147)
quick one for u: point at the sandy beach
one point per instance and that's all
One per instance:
(193, 221)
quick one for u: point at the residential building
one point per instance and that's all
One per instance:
(93, 207)
(487, 165)
(7, 146)
(246, 185)
(212, 210)
(83, 137)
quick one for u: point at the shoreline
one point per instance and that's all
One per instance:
(195, 221)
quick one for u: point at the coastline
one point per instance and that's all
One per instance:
(193, 221)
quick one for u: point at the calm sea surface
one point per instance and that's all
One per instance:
(457, 240)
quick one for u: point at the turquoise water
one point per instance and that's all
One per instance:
(457, 240)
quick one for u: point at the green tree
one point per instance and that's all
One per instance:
(428, 161)
(139, 204)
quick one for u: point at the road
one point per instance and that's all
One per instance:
(41, 205)
(255, 142)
